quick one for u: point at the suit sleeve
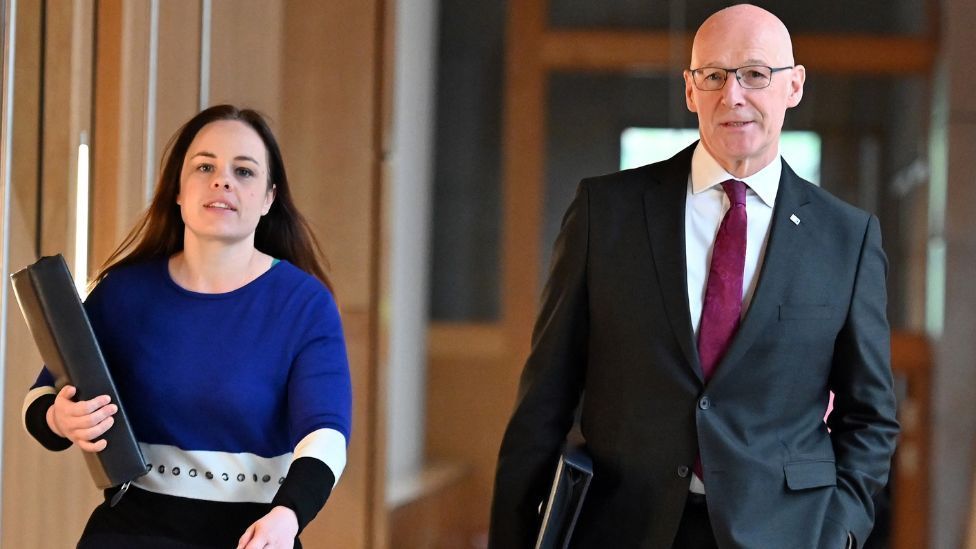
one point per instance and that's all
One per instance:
(549, 389)
(863, 425)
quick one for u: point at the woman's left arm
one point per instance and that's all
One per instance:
(302, 495)
(319, 417)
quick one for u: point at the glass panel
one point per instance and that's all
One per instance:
(465, 271)
(868, 16)
(586, 115)
(640, 146)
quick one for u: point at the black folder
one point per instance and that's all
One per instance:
(57, 320)
(569, 485)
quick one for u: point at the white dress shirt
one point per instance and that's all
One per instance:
(705, 207)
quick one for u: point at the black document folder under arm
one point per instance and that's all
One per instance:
(569, 486)
(64, 336)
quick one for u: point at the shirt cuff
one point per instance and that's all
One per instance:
(35, 421)
(305, 489)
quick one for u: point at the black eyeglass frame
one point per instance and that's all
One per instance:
(735, 71)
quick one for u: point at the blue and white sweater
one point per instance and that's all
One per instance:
(225, 392)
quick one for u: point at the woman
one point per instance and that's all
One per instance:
(217, 322)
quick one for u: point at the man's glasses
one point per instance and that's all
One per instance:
(753, 77)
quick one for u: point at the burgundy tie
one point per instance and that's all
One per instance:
(723, 290)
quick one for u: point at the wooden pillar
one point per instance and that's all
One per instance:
(46, 497)
(332, 128)
(523, 172)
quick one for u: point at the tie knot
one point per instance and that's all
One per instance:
(736, 191)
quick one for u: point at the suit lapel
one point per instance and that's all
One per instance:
(664, 211)
(781, 260)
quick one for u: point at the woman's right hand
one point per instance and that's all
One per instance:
(81, 422)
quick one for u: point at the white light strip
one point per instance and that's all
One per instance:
(150, 141)
(205, 37)
(81, 219)
(6, 134)
(935, 287)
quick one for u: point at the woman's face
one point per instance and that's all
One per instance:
(224, 187)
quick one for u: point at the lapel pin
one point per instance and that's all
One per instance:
(795, 219)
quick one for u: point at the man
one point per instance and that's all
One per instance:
(701, 310)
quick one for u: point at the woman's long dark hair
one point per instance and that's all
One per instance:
(282, 233)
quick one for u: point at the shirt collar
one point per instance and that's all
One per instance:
(707, 173)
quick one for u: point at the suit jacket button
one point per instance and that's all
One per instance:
(683, 471)
(704, 403)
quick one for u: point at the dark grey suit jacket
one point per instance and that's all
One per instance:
(615, 327)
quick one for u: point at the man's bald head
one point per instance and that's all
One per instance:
(740, 124)
(742, 22)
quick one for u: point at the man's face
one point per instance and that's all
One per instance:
(740, 127)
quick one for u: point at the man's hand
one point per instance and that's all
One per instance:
(81, 422)
(276, 530)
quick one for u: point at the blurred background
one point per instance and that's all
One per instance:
(434, 146)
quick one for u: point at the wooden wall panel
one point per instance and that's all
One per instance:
(344, 522)
(26, 131)
(246, 55)
(122, 110)
(466, 410)
(436, 515)
(178, 71)
(523, 173)
(119, 154)
(327, 138)
(59, 146)
(330, 102)
(912, 361)
(46, 496)
(971, 519)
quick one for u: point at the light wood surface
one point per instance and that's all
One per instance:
(971, 534)
(523, 172)
(246, 54)
(912, 362)
(178, 70)
(45, 495)
(119, 157)
(331, 86)
(468, 405)
(433, 514)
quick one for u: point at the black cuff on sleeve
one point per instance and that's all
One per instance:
(36, 420)
(305, 489)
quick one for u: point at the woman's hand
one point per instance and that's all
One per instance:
(81, 422)
(276, 530)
